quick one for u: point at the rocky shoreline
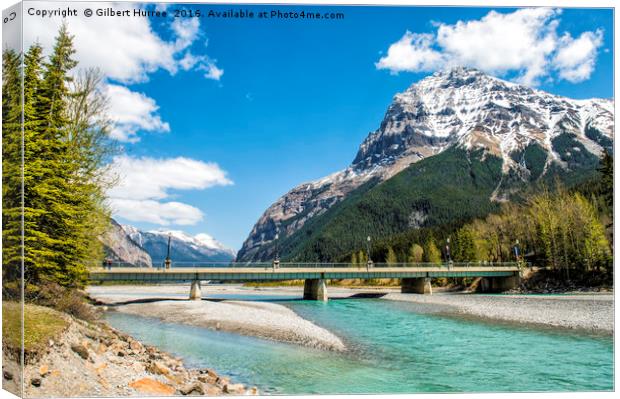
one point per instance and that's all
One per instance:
(93, 359)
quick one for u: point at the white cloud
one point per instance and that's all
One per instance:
(150, 211)
(212, 71)
(132, 112)
(144, 184)
(576, 58)
(126, 50)
(524, 42)
(187, 30)
(151, 178)
(412, 52)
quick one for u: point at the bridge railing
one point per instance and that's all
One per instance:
(305, 265)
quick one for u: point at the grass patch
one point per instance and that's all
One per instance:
(40, 325)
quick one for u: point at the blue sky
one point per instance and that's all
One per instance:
(280, 102)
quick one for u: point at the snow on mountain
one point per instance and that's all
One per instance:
(119, 247)
(459, 107)
(467, 107)
(184, 247)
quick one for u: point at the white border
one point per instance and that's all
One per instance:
(471, 3)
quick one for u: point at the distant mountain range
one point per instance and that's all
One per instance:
(119, 247)
(184, 248)
(125, 243)
(452, 147)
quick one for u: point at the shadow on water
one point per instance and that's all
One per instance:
(250, 298)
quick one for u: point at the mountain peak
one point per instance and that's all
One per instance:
(530, 131)
(201, 247)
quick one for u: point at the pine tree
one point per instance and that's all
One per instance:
(64, 146)
(11, 173)
(464, 246)
(607, 178)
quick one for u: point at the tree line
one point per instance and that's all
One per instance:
(55, 148)
(567, 230)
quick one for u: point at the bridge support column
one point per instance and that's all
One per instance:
(420, 285)
(315, 289)
(498, 284)
(194, 293)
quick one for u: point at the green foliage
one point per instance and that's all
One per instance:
(464, 247)
(391, 258)
(40, 325)
(431, 252)
(434, 188)
(594, 134)
(573, 153)
(11, 173)
(416, 254)
(534, 158)
(606, 170)
(64, 148)
(562, 230)
(354, 260)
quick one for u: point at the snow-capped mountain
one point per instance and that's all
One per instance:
(119, 247)
(464, 108)
(183, 247)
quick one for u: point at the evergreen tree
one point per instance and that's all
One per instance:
(11, 173)
(607, 179)
(65, 145)
(464, 247)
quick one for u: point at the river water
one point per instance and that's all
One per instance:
(394, 348)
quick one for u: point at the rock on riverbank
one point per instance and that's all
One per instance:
(591, 313)
(95, 360)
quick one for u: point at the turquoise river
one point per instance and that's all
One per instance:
(394, 348)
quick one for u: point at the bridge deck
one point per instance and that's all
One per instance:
(296, 273)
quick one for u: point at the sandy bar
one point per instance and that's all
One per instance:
(254, 318)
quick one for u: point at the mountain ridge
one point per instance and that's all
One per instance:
(184, 247)
(534, 134)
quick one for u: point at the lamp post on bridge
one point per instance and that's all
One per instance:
(448, 258)
(516, 249)
(168, 261)
(276, 259)
(369, 262)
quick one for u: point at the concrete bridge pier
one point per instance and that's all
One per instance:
(194, 293)
(315, 289)
(498, 284)
(419, 285)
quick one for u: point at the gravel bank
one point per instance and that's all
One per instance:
(92, 359)
(586, 312)
(260, 319)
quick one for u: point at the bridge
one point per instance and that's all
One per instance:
(415, 277)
